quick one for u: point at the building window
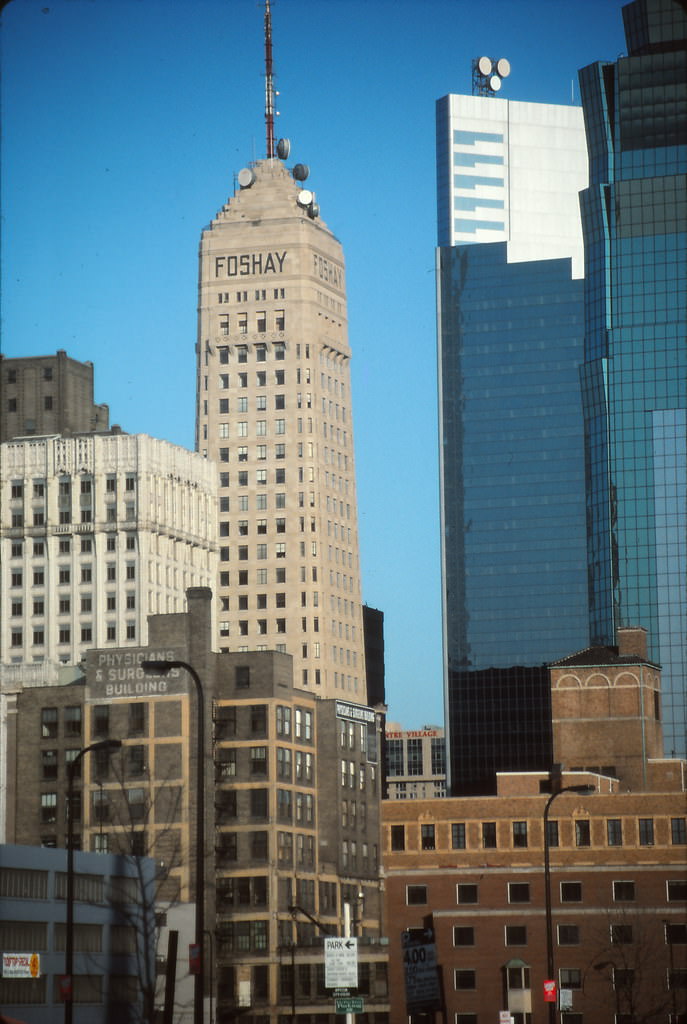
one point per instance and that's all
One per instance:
(623, 977)
(416, 895)
(676, 890)
(570, 977)
(49, 764)
(621, 934)
(100, 721)
(518, 892)
(646, 831)
(516, 935)
(136, 802)
(520, 834)
(678, 831)
(677, 978)
(582, 833)
(463, 935)
(489, 835)
(258, 720)
(676, 934)
(571, 892)
(72, 721)
(283, 720)
(427, 837)
(258, 761)
(137, 719)
(467, 892)
(623, 891)
(568, 935)
(464, 979)
(398, 837)
(458, 835)
(48, 808)
(394, 756)
(48, 723)
(614, 832)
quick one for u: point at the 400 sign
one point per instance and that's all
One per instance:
(423, 992)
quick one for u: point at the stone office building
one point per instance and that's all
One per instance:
(97, 531)
(292, 806)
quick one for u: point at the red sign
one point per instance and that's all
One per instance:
(194, 959)
(65, 988)
(549, 991)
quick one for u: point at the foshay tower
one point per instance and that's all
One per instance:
(274, 412)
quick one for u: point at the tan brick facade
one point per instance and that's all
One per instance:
(483, 923)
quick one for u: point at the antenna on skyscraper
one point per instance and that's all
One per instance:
(269, 84)
(487, 75)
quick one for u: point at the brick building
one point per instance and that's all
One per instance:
(48, 395)
(292, 806)
(473, 867)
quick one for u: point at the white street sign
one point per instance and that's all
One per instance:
(340, 962)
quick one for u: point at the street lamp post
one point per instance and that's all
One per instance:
(68, 985)
(547, 886)
(163, 667)
(295, 909)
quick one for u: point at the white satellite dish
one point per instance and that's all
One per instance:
(503, 67)
(484, 66)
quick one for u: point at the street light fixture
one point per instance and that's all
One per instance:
(68, 983)
(547, 885)
(163, 667)
(295, 909)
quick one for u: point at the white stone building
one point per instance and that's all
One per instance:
(98, 531)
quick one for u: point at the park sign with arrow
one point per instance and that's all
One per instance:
(340, 962)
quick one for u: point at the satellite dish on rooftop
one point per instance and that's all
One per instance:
(488, 75)
(301, 172)
(246, 177)
(283, 149)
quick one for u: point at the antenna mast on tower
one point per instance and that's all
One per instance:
(269, 85)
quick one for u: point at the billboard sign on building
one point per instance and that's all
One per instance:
(21, 965)
(117, 674)
(423, 991)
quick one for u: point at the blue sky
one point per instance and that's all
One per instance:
(123, 125)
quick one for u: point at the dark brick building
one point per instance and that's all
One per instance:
(292, 806)
(48, 395)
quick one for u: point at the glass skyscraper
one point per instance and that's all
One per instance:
(510, 333)
(634, 378)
